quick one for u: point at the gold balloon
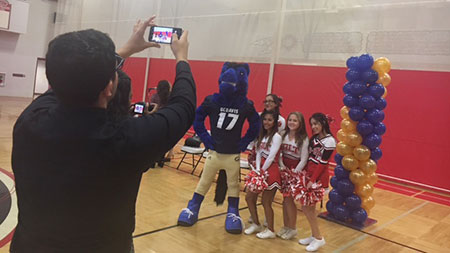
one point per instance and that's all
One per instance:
(344, 112)
(364, 191)
(354, 139)
(384, 79)
(372, 178)
(344, 149)
(361, 153)
(385, 93)
(350, 162)
(348, 125)
(357, 177)
(368, 166)
(341, 135)
(368, 203)
(382, 65)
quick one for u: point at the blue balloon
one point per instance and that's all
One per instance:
(341, 212)
(364, 127)
(350, 101)
(347, 87)
(330, 208)
(357, 88)
(380, 104)
(376, 154)
(372, 141)
(367, 101)
(353, 201)
(356, 113)
(335, 197)
(341, 173)
(345, 187)
(352, 62)
(365, 62)
(352, 75)
(359, 216)
(376, 90)
(375, 116)
(334, 181)
(379, 128)
(338, 158)
(369, 76)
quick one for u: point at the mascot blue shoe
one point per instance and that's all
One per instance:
(189, 215)
(233, 222)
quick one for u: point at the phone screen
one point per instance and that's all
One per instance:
(138, 108)
(160, 34)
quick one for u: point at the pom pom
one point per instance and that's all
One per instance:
(304, 195)
(256, 182)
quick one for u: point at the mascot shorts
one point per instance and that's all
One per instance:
(214, 162)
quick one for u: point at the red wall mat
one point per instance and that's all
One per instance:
(416, 116)
(135, 68)
(434, 198)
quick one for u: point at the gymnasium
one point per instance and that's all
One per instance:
(310, 53)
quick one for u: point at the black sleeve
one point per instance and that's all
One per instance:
(152, 135)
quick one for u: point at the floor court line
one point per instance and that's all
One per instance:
(174, 226)
(371, 232)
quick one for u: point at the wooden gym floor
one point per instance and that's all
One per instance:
(406, 223)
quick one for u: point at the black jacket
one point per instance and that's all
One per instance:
(77, 174)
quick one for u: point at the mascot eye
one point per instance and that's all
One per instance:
(242, 73)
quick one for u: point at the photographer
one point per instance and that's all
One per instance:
(77, 172)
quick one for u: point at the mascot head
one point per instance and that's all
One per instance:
(233, 80)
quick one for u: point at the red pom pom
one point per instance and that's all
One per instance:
(256, 182)
(306, 196)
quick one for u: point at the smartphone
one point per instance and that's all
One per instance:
(163, 34)
(139, 108)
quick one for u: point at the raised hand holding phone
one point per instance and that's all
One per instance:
(136, 42)
(180, 46)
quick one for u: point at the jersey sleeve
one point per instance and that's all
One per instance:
(303, 156)
(274, 148)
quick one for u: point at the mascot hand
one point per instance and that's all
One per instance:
(208, 142)
(243, 145)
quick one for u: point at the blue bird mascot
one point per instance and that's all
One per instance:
(227, 111)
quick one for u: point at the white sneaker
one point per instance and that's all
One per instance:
(266, 234)
(291, 233)
(282, 231)
(315, 244)
(306, 241)
(253, 228)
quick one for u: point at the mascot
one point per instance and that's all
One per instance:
(227, 111)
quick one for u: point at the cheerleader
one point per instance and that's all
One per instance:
(272, 103)
(315, 177)
(293, 158)
(267, 148)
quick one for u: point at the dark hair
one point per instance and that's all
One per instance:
(300, 134)
(277, 101)
(163, 91)
(79, 65)
(119, 106)
(323, 120)
(263, 132)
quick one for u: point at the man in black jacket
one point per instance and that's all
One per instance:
(77, 174)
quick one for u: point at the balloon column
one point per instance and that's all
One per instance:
(358, 150)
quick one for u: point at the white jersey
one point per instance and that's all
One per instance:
(290, 150)
(267, 151)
